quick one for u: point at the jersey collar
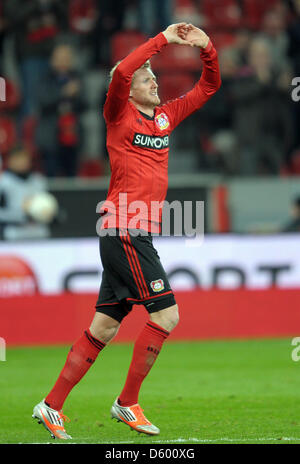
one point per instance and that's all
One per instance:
(146, 116)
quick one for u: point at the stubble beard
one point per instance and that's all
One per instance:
(153, 101)
(150, 101)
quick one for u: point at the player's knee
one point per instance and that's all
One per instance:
(167, 318)
(105, 334)
(174, 317)
(104, 328)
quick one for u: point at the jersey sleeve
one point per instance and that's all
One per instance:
(119, 88)
(206, 87)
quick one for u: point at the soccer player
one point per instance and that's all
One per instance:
(138, 132)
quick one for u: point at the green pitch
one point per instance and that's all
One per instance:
(197, 392)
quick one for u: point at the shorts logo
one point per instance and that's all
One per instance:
(157, 285)
(162, 121)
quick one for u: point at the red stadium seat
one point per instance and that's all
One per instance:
(295, 163)
(172, 86)
(222, 13)
(28, 138)
(12, 97)
(177, 58)
(123, 43)
(254, 11)
(29, 126)
(8, 135)
(222, 39)
(91, 168)
(186, 11)
(184, 3)
(82, 15)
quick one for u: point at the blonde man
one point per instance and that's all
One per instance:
(138, 131)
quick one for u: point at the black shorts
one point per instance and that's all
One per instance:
(132, 274)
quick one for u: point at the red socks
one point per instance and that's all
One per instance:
(80, 358)
(145, 352)
(84, 353)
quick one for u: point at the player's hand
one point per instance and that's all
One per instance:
(195, 36)
(177, 33)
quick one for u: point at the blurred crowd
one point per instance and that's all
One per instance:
(55, 56)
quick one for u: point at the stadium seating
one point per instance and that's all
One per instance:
(12, 97)
(177, 58)
(233, 14)
(221, 13)
(91, 168)
(294, 168)
(174, 85)
(82, 15)
(254, 11)
(8, 135)
(125, 42)
(187, 11)
(28, 139)
(222, 39)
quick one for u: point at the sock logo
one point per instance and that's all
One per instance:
(152, 354)
(153, 349)
(89, 360)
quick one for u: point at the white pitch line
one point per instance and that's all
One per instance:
(207, 440)
(193, 440)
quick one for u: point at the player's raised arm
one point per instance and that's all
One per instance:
(119, 89)
(208, 84)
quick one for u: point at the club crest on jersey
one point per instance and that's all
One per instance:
(162, 121)
(157, 285)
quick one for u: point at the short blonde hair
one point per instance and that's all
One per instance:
(146, 65)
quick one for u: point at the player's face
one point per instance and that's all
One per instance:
(144, 88)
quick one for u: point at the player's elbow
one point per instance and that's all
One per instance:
(215, 86)
(219, 83)
(210, 88)
(210, 91)
(120, 71)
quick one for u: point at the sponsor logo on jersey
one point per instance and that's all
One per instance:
(150, 141)
(157, 285)
(162, 121)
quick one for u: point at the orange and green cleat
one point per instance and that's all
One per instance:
(134, 417)
(52, 420)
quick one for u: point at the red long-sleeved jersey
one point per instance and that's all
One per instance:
(138, 146)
